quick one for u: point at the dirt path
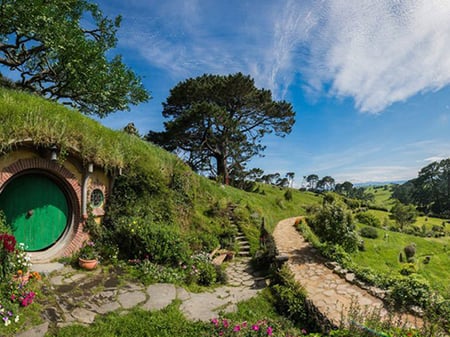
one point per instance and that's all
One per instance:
(331, 294)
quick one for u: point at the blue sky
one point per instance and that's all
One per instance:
(368, 79)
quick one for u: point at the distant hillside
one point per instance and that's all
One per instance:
(379, 183)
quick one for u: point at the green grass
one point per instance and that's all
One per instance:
(382, 255)
(171, 322)
(137, 323)
(382, 196)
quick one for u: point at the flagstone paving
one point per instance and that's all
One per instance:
(79, 297)
(330, 293)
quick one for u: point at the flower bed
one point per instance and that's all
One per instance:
(16, 279)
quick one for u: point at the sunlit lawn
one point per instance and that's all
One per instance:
(382, 254)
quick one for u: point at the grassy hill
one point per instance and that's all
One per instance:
(382, 196)
(159, 203)
(179, 198)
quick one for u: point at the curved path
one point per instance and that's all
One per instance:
(330, 294)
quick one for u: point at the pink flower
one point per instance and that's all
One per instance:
(304, 331)
(269, 331)
(225, 323)
(215, 321)
(255, 327)
(237, 328)
(244, 324)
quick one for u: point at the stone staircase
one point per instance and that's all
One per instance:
(242, 243)
(240, 272)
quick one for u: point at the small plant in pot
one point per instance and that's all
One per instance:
(88, 256)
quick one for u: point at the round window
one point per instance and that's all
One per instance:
(97, 198)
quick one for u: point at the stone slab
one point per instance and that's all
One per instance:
(161, 295)
(83, 315)
(37, 331)
(130, 299)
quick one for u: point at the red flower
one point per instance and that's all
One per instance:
(9, 242)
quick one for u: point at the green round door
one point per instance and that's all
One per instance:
(37, 210)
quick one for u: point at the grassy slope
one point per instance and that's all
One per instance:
(382, 254)
(382, 196)
(24, 116)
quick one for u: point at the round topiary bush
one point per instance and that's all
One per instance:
(410, 251)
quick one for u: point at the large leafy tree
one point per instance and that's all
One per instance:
(218, 122)
(404, 215)
(430, 191)
(58, 49)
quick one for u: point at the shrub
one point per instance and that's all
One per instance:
(267, 252)
(368, 219)
(408, 269)
(202, 270)
(149, 272)
(290, 296)
(334, 225)
(410, 291)
(410, 251)
(137, 238)
(4, 227)
(369, 232)
(288, 195)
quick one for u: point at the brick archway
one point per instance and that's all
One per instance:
(74, 237)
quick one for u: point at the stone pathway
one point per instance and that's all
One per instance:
(79, 296)
(330, 294)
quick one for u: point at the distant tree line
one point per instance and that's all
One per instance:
(314, 183)
(430, 191)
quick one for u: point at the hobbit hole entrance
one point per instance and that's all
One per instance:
(37, 208)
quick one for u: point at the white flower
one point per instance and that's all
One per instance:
(16, 319)
(7, 321)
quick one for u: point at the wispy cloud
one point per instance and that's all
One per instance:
(380, 52)
(183, 38)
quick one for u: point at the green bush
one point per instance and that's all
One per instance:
(149, 272)
(410, 251)
(369, 232)
(290, 296)
(333, 224)
(265, 256)
(288, 195)
(4, 227)
(368, 219)
(409, 291)
(137, 238)
(408, 269)
(201, 270)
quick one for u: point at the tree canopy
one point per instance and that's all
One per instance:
(217, 122)
(430, 191)
(404, 215)
(58, 49)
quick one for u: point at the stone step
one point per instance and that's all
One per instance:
(240, 239)
(244, 253)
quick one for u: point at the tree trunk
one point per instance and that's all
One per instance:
(222, 169)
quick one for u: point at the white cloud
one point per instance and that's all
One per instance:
(377, 173)
(377, 52)
(380, 52)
